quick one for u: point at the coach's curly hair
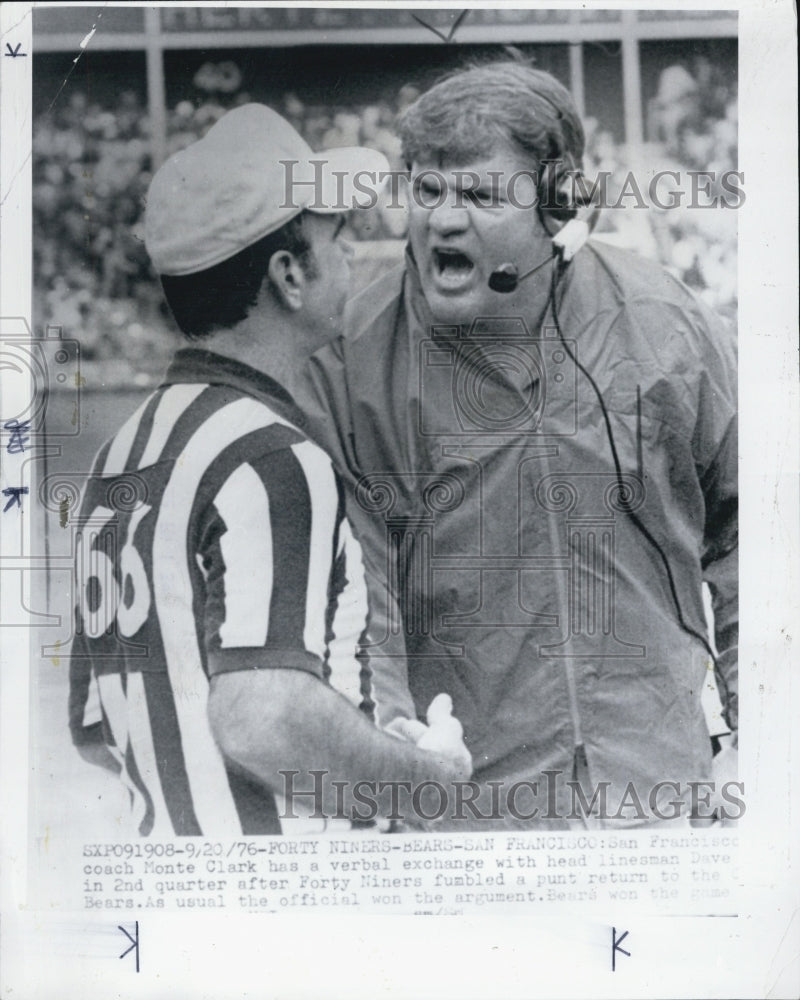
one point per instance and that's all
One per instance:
(468, 113)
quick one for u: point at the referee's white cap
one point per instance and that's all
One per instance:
(249, 175)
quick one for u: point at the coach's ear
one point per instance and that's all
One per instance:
(286, 279)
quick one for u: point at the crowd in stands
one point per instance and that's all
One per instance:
(92, 277)
(92, 166)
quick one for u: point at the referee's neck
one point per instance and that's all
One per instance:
(272, 342)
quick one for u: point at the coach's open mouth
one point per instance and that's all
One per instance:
(452, 268)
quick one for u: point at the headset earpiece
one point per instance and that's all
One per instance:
(576, 217)
(556, 190)
(571, 237)
(564, 199)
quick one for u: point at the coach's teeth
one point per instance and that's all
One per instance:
(453, 261)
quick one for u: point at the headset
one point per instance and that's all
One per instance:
(582, 217)
(555, 201)
(566, 243)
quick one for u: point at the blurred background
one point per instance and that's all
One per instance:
(657, 89)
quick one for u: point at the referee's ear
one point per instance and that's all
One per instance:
(286, 279)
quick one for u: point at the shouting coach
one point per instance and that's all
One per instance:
(539, 436)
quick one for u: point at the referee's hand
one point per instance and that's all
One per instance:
(443, 736)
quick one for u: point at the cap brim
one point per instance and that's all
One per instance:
(347, 177)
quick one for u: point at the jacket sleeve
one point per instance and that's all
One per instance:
(717, 426)
(385, 644)
(721, 571)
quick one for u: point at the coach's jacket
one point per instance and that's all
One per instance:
(502, 546)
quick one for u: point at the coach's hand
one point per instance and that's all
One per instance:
(725, 772)
(443, 736)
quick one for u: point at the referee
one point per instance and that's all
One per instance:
(220, 592)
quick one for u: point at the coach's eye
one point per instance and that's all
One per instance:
(484, 198)
(431, 191)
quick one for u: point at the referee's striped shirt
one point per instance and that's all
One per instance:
(212, 538)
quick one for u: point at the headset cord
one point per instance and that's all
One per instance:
(556, 272)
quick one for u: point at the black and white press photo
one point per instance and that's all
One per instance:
(378, 403)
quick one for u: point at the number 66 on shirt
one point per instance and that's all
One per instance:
(102, 598)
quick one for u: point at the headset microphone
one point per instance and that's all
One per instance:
(566, 243)
(504, 279)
